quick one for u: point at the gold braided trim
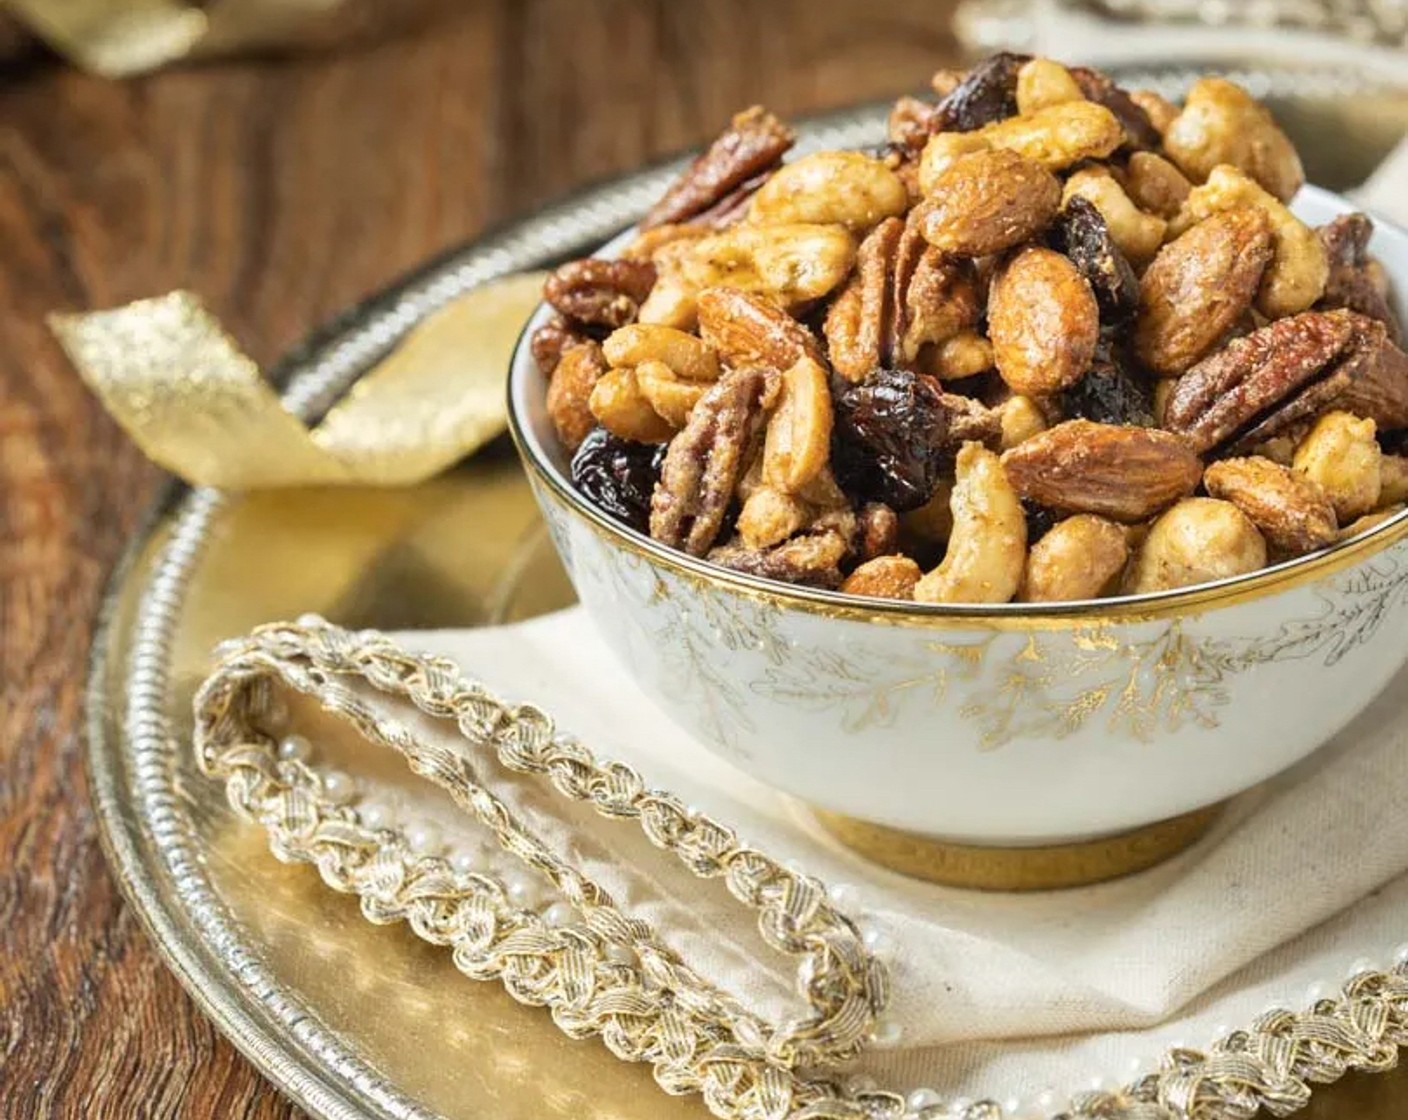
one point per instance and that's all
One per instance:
(658, 1010)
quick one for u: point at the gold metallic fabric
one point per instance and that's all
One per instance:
(197, 406)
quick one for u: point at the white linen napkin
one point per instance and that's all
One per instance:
(1023, 998)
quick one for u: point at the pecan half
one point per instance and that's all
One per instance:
(911, 124)
(750, 330)
(1126, 474)
(1199, 286)
(570, 391)
(551, 340)
(987, 93)
(1356, 280)
(754, 143)
(706, 460)
(813, 557)
(1293, 513)
(1289, 371)
(600, 293)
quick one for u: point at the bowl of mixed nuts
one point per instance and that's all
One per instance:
(1035, 477)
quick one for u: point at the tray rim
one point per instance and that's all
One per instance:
(314, 372)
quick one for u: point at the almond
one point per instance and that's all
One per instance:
(1198, 286)
(1043, 322)
(1126, 474)
(987, 202)
(752, 330)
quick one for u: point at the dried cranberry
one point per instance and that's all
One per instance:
(893, 438)
(618, 476)
(1111, 392)
(987, 93)
(1081, 232)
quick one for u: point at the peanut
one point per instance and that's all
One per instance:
(1198, 540)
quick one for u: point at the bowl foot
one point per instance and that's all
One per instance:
(1036, 868)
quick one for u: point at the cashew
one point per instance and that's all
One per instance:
(1059, 136)
(1296, 276)
(769, 516)
(933, 521)
(685, 355)
(845, 188)
(1221, 123)
(670, 395)
(966, 354)
(1042, 82)
(622, 409)
(941, 150)
(1079, 558)
(1158, 108)
(1393, 479)
(1342, 455)
(1021, 419)
(1198, 540)
(988, 548)
(1137, 234)
(671, 302)
(798, 442)
(1155, 185)
(885, 577)
(793, 263)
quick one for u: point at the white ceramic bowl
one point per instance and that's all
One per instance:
(995, 725)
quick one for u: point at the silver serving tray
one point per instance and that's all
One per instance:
(349, 1020)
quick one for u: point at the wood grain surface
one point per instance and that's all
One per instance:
(281, 189)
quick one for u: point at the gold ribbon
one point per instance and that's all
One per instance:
(199, 407)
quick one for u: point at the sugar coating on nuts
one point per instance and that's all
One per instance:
(1292, 511)
(1199, 540)
(1138, 234)
(1079, 558)
(987, 202)
(885, 577)
(1043, 322)
(1341, 454)
(1221, 123)
(845, 188)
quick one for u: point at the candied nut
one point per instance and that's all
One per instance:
(672, 302)
(1079, 558)
(877, 530)
(754, 142)
(1290, 370)
(570, 390)
(987, 202)
(988, 546)
(1342, 455)
(859, 324)
(1356, 281)
(941, 150)
(623, 409)
(686, 356)
(987, 93)
(899, 432)
(1081, 232)
(769, 516)
(1097, 86)
(1059, 136)
(911, 123)
(798, 444)
(1393, 479)
(1163, 393)
(705, 461)
(1197, 541)
(1042, 82)
(1221, 123)
(1043, 322)
(1155, 185)
(1293, 513)
(966, 354)
(551, 340)
(1199, 286)
(745, 329)
(884, 577)
(1158, 108)
(1298, 271)
(1137, 234)
(845, 188)
(669, 395)
(813, 557)
(934, 297)
(1368, 521)
(1125, 474)
(647, 242)
(1022, 418)
(599, 293)
(792, 263)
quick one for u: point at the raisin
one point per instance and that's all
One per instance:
(1081, 232)
(1110, 392)
(987, 93)
(1040, 520)
(618, 476)
(896, 433)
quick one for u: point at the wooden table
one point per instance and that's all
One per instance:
(282, 190)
